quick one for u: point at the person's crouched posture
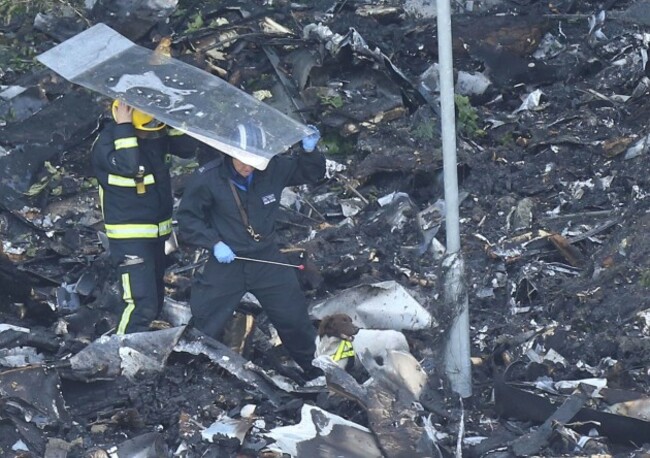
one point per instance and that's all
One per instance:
(230, 209)
(131, 160)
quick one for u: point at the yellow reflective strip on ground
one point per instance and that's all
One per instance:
(117, 180)
(130, 305)
(131, 231)
(128, 142)
(175, 132)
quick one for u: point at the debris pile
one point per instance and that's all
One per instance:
(551, 105)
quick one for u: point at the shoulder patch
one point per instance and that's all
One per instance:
(209, 165)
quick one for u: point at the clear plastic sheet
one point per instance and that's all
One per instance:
(178, 94)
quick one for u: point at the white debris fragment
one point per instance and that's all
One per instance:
(474, 440)
(19, 357)
(332, 167)
(531, 102)
(564, 385)
(8, 248)
(11, 327)
(472, 83)
(225, 426)
(134, 362)
(247, 411)
(289, 198)
(20, 446)
(636, 408)
(262, 95)
(421, 8)
(9, 92)
(388, 198)
(321, 431)
(384, 305)
(640, 147)
(644, 316)
(351, 207)
(596, 23)
(549, 47)
(555, 357)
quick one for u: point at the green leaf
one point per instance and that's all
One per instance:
(37, 188)
(196, 24)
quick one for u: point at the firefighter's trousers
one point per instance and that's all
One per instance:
(217, 290)
(140, 266)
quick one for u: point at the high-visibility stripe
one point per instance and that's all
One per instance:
(101, 199)
(175, 132)
(165, 227)
(126, 182)
(344, 350)
(127, 142)
(130, 304)
(131, 231)
(138, 231)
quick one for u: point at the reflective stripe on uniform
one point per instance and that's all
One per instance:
(127, 142)
(101, 198)
(138, 231)
(344, 350)
(165, 227)
(126, 182)
(130, 304)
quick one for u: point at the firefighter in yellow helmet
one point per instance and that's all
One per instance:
(131, 159)
(142, 122)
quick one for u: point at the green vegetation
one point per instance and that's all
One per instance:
(644, 278)
(263, 81)
(335, 101)
(50, 180)
(17, 50)
(10, 9)
(467, 122)
(335, 144)
(507, 139)
(89, 183)
(425, 130)
(196, 23)
(467, 118)
(182, 166)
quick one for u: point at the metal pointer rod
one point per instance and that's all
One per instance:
(299, 266)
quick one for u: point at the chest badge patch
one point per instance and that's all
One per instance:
(268, 199)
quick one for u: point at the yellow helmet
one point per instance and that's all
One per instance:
(141, 121)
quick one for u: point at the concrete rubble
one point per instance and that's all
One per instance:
(552, 102)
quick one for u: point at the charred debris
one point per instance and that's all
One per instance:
(552, 111)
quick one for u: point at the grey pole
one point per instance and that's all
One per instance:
(457, 352)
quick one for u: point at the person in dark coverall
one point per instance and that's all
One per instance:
(210, 217)
(131, 160)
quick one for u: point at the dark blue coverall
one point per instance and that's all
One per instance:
(208, 213)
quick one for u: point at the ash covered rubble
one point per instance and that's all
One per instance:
(551, 113)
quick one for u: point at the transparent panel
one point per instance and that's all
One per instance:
(178, 94)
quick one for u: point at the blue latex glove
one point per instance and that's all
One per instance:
(310, 141)
(223, 253)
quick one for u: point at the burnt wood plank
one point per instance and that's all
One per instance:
(532, 442)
